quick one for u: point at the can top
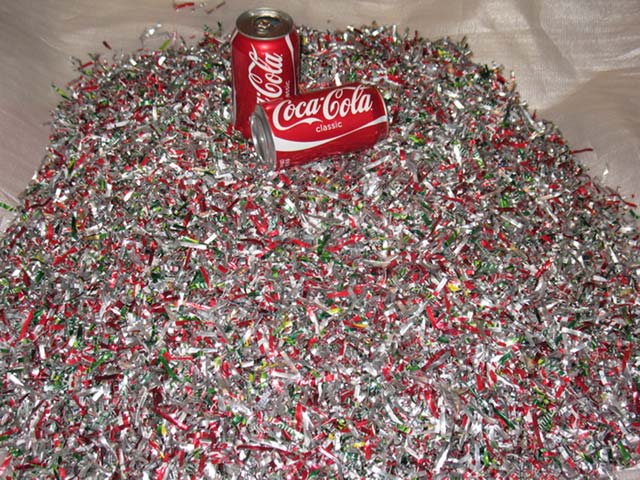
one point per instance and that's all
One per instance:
(262, 137)
(264, 23)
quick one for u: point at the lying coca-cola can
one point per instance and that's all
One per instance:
(265, 62)
(317, 124)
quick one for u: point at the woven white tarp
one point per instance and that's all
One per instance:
(576, 63)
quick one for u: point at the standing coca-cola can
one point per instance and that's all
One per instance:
(265, 62)
(321, 123)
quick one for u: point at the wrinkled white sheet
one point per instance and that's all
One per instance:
(576, 63)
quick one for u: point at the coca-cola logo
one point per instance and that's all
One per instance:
(338, 103)
(267, 79)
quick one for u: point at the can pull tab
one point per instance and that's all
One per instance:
(264, 24)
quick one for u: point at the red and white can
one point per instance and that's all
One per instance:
(317, 124)
(265, 62)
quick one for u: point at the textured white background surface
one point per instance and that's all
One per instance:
(576, 62)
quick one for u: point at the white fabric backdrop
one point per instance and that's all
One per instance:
(576, 63)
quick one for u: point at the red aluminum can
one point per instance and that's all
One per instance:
(265, 62)
(321, 123)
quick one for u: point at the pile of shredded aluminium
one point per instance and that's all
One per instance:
(460, 301)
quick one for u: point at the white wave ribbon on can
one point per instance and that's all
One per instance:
(292, 51)
(284, 145)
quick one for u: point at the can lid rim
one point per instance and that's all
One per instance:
(245, 23)
(263, 137)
